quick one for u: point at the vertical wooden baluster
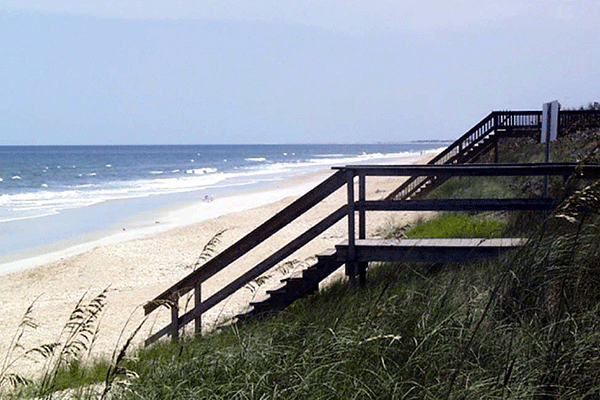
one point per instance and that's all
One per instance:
(362, 225)
(350, 262)
(175, 317)
(197, 304)
(362, 194)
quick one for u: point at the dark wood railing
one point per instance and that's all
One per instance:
(361, 205)
(195, 279)
(455, 154)
(344, 176)
(574, 120)
(497, 123)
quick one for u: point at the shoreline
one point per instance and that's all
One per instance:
(173, 215)
(158, 214)
(135, 270)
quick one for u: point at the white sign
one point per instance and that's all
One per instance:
(550, 121)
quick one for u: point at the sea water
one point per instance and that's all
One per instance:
(50, 194)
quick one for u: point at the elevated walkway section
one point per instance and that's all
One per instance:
(455, 250)
(459, 159)
(482, 139)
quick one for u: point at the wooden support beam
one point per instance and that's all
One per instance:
(198, 304)
(350, 264)
(174, 327)
(252, 239)
(588, 171)
(362, 217)
(459, 205)
(429, 250)
(254, 272)
(362, 227)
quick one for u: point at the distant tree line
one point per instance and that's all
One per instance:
(591, 106)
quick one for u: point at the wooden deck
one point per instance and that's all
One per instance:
(428, 250)
(456, 160)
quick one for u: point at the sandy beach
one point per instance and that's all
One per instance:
(136, 268)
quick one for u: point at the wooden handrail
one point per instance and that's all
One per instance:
(523, 120)
(455, 147)
(241, 247)
(588, 171)
(484, 128)
(458, 205)
(254, 272)
(443, 165)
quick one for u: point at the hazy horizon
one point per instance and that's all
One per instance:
(267, 72)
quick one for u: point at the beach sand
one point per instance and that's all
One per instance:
(135, 271)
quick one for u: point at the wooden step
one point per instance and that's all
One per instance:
(295, 287)
(281, 290)
(292, 279)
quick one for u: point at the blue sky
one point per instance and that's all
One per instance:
(296, 71)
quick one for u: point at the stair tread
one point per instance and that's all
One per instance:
(327, 253)
(281, 290)
(291, 279)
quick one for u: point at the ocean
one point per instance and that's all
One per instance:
(52, 194)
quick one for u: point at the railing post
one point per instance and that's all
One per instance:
(495, 121)
(496, 157)
(175, 317)
(197, 304)
(362, 194)
(362, 225)
(351, 266)
(558, 128)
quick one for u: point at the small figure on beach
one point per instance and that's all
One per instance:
(208, 198)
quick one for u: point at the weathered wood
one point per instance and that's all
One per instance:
(174, 327)
(469, 148)
(498, 124)
(197, 303)
(350, 264)
(428, 250)
(458, 205)
(362, 217)
(256, 271)
(252, 239)
(588, 171)
(362, 227)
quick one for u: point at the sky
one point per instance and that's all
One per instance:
(97, 72)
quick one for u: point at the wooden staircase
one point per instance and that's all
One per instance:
(477, 142)
(468, 149)
(483, 138)
(296, 287)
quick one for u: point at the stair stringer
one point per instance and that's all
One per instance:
(296, 287)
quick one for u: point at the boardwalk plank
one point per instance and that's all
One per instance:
(428, 250)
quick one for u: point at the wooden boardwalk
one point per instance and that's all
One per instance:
(456, 160)
(427, 250)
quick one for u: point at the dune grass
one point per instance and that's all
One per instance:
(458, 225)
(523, 326)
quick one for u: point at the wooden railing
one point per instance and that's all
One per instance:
(572, 120)
(453, 154)
(194, 280)
(497, 122)
(362, 205)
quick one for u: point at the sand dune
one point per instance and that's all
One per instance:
(137, 270)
